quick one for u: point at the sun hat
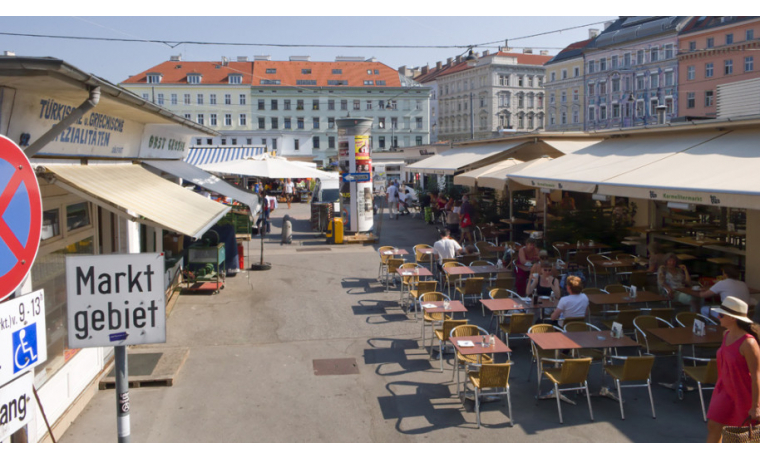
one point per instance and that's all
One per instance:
(735, 308)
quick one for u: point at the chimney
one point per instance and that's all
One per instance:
(593, 33)
(448, 61)
(527, 50)
(300, 58)
(544, 52)
(10, 53)
(438, 65)
(262, 57)
(402, 70)
(242, 58)
(485, 53)
(424, 69)
(176, 58)
(225, 61)
(661, 114)
(349, 59)
(459, 59)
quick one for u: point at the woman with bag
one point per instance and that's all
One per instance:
(526, 257)
(735, 398)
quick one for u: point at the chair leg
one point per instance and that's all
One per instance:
(651, 399)
(423, 333)
(477, 405)
(559, 404)
(702, 401)
(620, 399)
(509, 406)
(588, 397)
(440, 353)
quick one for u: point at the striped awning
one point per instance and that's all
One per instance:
(209, 155)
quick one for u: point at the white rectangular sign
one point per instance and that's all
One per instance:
(23, 339)
(115, 300)
(16, 405)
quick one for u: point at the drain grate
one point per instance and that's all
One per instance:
(340, 366)
(312, 249)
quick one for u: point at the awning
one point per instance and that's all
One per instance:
(472, 178)
(206, 180)
(498, 179)
(133, 192)
(207, 155)
(569, 147)
(273, 168)
(721, 172)
(584, 170)
(464, 158)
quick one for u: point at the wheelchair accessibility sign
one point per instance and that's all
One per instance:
(23, 343)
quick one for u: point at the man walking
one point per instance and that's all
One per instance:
(392, 198)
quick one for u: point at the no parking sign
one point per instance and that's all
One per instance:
(20, 216)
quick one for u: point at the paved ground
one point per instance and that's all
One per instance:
(249, 376)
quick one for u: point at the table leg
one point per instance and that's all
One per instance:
(679, 385)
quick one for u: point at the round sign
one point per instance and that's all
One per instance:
(20, 216)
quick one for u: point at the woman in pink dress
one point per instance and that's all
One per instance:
(528, 254)
(736, 394)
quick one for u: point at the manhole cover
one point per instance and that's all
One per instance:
(342, 366)
(140, 364)
(312, 249)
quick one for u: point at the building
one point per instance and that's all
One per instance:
(481, 97)
(428, 77)
(631, 69)
(564, 88)
(714, 50)
(280, 104)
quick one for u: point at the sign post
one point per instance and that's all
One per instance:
(116, 300)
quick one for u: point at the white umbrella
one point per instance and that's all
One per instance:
(272, 168)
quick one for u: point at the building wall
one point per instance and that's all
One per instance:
(560, 78)
(696, 85)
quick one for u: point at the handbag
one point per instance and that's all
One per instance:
(466, 221)
(746, 433)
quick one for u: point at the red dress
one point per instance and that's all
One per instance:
(732, 397)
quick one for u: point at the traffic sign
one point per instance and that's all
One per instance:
(23, 343)
(115, 300)
(16, 405)
(356, 177)
(20, 216)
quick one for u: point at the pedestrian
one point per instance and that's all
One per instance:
(392, 199)
(736, 396)
(289, 190)
(467, 220)
(452, 216)
(526, 257)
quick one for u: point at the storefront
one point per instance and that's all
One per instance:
(97, 198)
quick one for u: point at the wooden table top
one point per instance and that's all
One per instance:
(690, 291)
(582, 339)
(499, 346)
(624, 298)
(626, 263)
(455, 306)
(427, 250)
(411, 272)
(396, 252)
(517, 220)
(583, 247)
(695, 242)
(515, 304)
(685, 336)
(475, 270)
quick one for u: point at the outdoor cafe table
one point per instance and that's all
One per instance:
(476, 270)
(455, 306)
(432, 257)
(395, 252)
(681, 336)
(623, 298)
(505, 305)
(419, 272)
(583, 247)
(479, 350)
(513, 222)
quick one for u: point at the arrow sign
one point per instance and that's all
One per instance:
(356, 177)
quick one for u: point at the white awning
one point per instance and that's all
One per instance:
(135, 193)
(464, 158)
(206, 180)
(206, 155)
(569, 147)
(472, 178)
(273, 168)
(498, 179)
(584, 170)
(721, 172)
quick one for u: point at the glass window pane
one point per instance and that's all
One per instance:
(51, 224)
(77, 216)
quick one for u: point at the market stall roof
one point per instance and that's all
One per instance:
(134, 192)
(498, 179)
(207, 155)
(206, 180)
(463, 158)
(272, 168)
(720, 172)
(588, 167)
(472, 178)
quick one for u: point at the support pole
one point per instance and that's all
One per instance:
(122, 394)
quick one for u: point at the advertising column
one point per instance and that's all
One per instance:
(356, 172)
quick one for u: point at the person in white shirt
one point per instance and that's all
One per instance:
(402, 200)
(392, 196)
(731, 286)
(446, 247)
(573, 305)
(290, 188)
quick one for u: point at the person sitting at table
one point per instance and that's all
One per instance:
(543, 281)
(656, 257)
(543, 256)
(567, 203)
(731, 286)
(672, 276)
(446, 247)
(573, 305)
(527, 254)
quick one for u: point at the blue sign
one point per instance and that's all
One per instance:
(25, 348)
(118, 337)
(356, 177)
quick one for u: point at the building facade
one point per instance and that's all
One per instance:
(483, 97)
(631, 69)
(278, 102)
(714, 50)
(564, 89)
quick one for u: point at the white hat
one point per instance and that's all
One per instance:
(735, 308)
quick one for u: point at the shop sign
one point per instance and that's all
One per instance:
(23, 339)
(165, 141)
(16, 405)
(115, 300)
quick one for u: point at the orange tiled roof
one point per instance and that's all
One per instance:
(527, 59)
(287, 72)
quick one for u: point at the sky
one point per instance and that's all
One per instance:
(116, 61)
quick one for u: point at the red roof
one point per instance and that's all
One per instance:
(527, 59)
(287, 72)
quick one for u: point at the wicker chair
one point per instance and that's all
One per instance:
(493, 376)
(625, 318)
(450, 280)
(652, 344)
(597, 269)
(539, 353)
(616, 289)
(393, 265)
(408, 281)
(703, 375)
(468, 330)
(485, 252)
(422, 287)
(570, 372)
(383, 268)
(634, 368)
(432, 318)
(504, 281)
(472, 287)
(519, 323)
(595, 309)
(421, 258)
(442, 335)
(500, 293)
(662, 313)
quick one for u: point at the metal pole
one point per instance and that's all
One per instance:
(122, 394)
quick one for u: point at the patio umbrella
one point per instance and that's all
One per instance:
(272, 168)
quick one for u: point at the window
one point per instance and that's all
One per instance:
(315, 142)
(602, 64)
(603, 112)
(729, 39)
(749, 34)
(381, 142)
(554, 76)
(668, 78)
(224, 141)
(669, 105)
(654, 81)
(274, 144)
(269, 82)
(242, 99)
(615, 85)
(330, 123)
(692, 46)
(381, 122)
(708, 98)
(369, 105)
(394, 123)
(236, 79)
(380, 82)
(627, 60)
(234, 141)
(199, 118)
(653, 103)
(357, 104)
(590, 91)
(576, 116)
(520, 80)
(299, 123)
(193, 79)
(306, 82)
(640, 108)
(315, 123)
(343, 104)
(227, 119)
(174, 99)
(160, 99)
(728, 66)
(690, 104)
(369, 83)
(243, 120)
(690, 72)
(198, 141)
(262, 123)
(228, 100)
(418, 140)
(551, 99)
(188, 116)
(212, 99)
(248, 141)
(337, 71)
(576, 71)
(708, 70)
(668, 51)
(654, 55)
(563, 97)
(564, 74)
(331, 105)
(275, 122)
(590, 114)
(154, 79)
(315, 104)
(296, 144)
(590, 66)
(575, 95)
(331, 142)
(287, 123)
(261, 103)
(391, 105)
(212, 119)
(640, 57)
(540, 81)
(200, 99)
(563, 118)
(305, 71)
(286, 103)
(602, 88)
(271, 70)
(639, 82)
(615, 111)
(299, 104)
(418, 122)
(273, 104)
(417, 104)
(710, 43)
(749, 64)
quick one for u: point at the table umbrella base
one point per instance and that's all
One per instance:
(605, 392)
(261, 267)
(550, 395)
